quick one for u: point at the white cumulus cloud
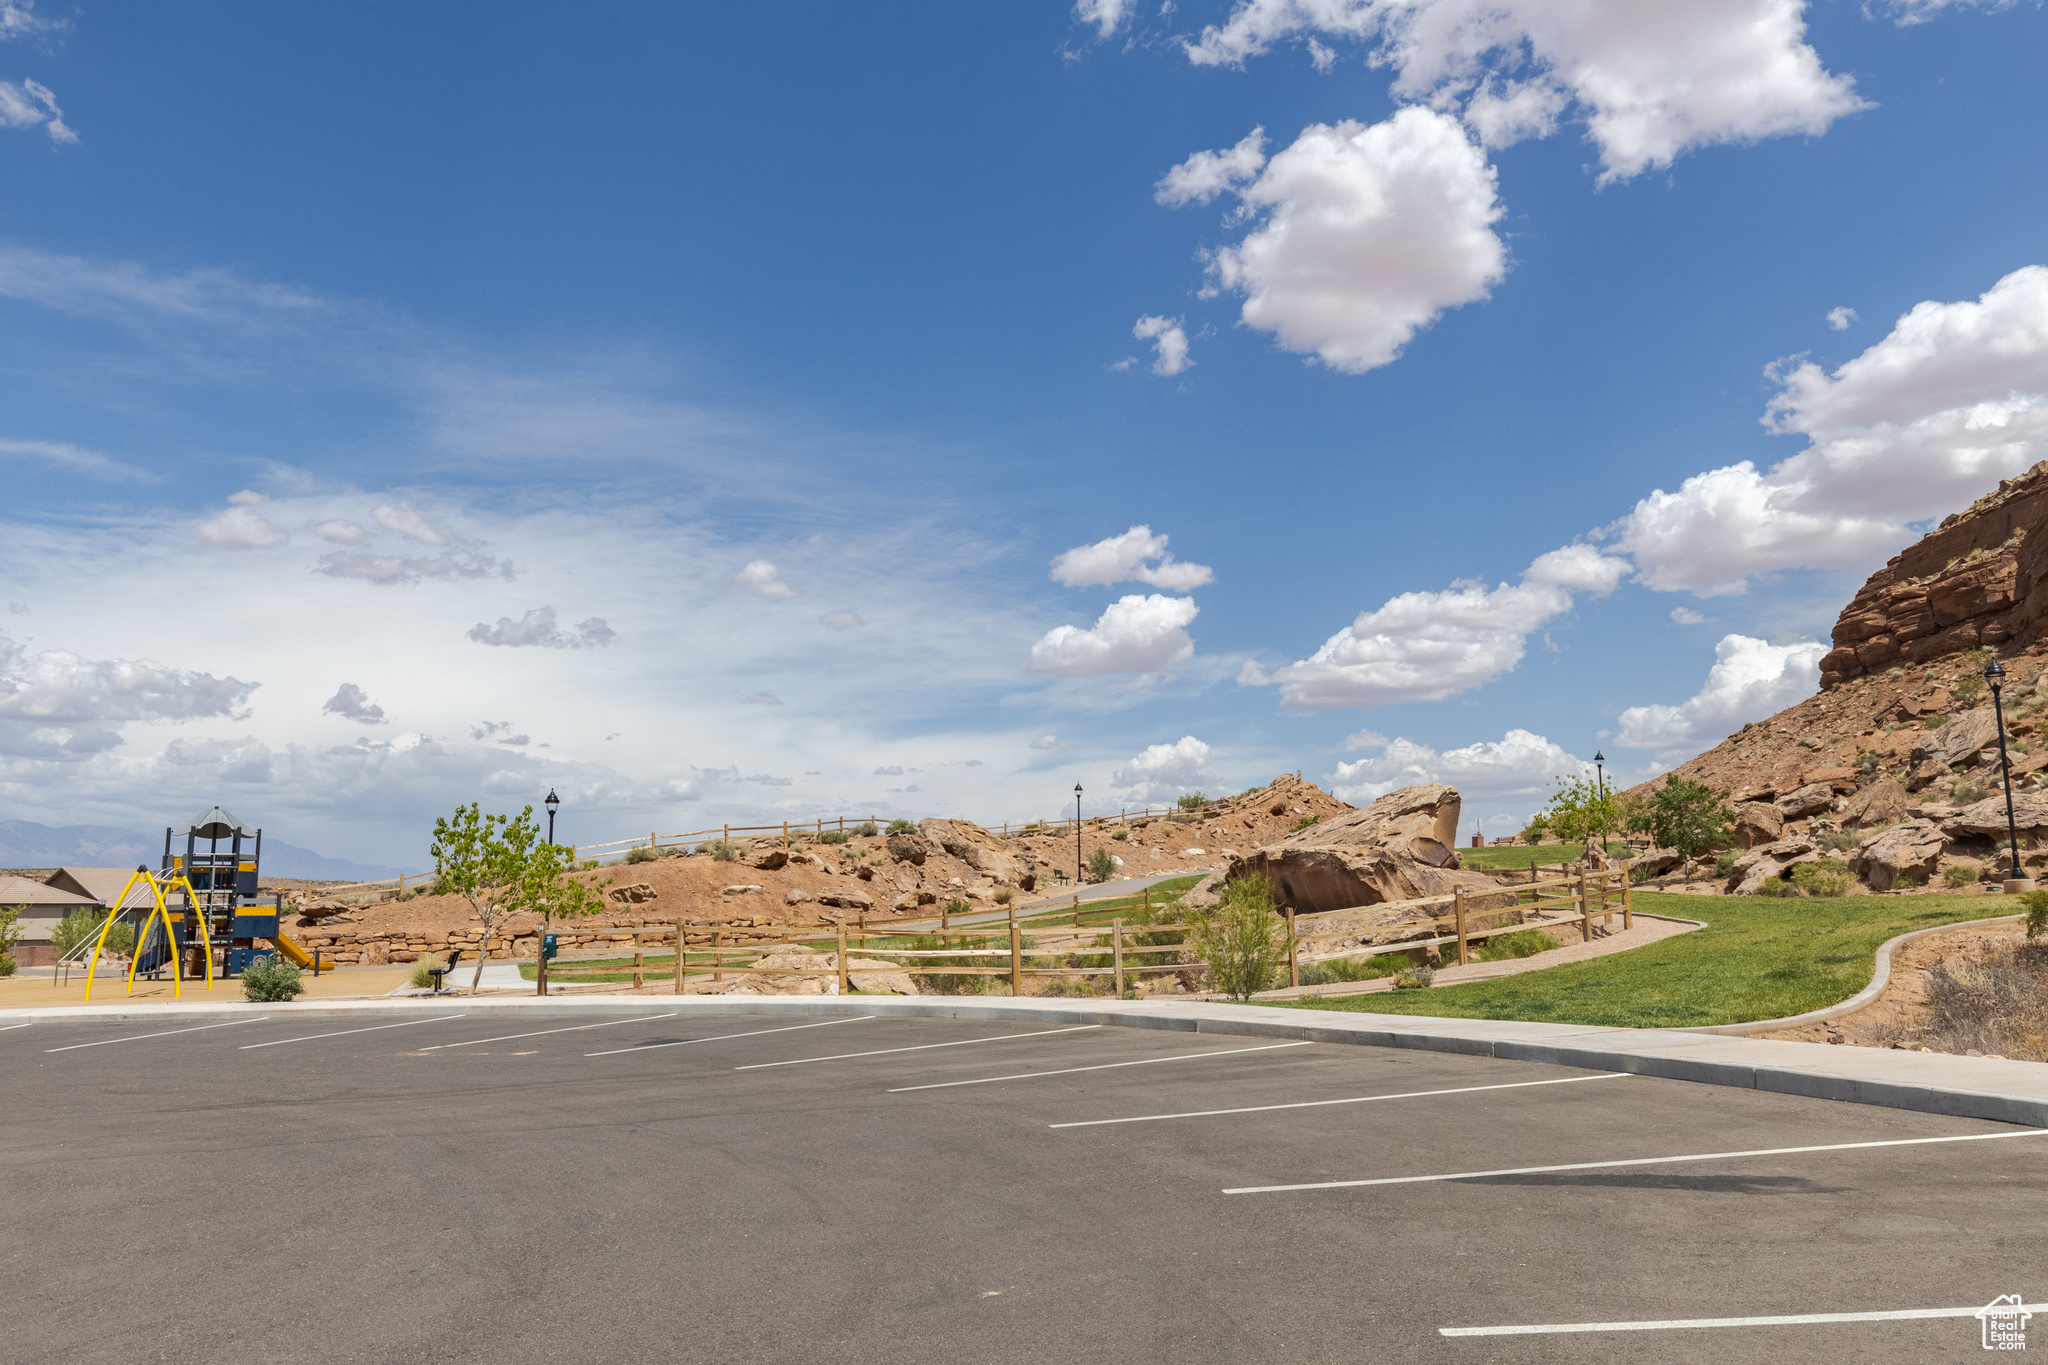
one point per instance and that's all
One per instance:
(1166, 771)
(1650, 81)
(1750, 679)
(1520, 766)
(1169, 344)
(413, 524)
(1106, 15)
(1205, 175)
(1362, 235)
(1133, 635)
(29, 104)
(339, 531)
(242, 528)
(1426, 646)
(1840, 318)
(1953, 399)
(763, 579)
(1136, 556)
(57, 705)
(350, 702)
(537, 628)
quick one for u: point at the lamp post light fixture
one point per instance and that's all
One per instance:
(1077, 834)
(553, 803)
(1995, 675)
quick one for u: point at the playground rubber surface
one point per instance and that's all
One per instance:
(772, 1188)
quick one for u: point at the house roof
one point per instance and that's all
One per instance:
(22, 891)
(101, 883)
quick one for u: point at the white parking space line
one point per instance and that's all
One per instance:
(1355, 1099)
(6, 1027)
(1783, 1320)
(508, 1037)
(313, 1037)
(1100, 1066)
(921, 1047)
(685, 1042)
(1636, 1161)
(136, 1038)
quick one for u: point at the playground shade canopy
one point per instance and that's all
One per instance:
(215, 824)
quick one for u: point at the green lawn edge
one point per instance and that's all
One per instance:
(1758, 958)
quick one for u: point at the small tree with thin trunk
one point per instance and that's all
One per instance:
(1241, 937)
(473, 862)
(1690, 818)
(539, 881)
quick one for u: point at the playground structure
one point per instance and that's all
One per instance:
(202, 901)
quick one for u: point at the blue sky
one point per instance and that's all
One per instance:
(709, 395)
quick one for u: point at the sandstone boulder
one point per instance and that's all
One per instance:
(1758, 822)
(769, 859)
(322, 909)
(1987, 817)
(636, 894)
(740, 890)
(1655, 862)
(1811, 799)
(847, 900)
(1912, 847)
(1881, 801)
(1768, 861)
(1399, 848)
(794, 897)
(909, 848)
(973, 845)
(1959, 740)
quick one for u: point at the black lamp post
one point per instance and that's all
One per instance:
(1995, 675)
(1077, 834)
(553, 803)
(1600, 790)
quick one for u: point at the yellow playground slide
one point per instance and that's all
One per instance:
(299, 956)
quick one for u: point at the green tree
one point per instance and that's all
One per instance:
(1690, 818)
(472, 860)
(1101, 865)
(10, 934)
(79, 926)
(1241, 937)
(540, 883)
(1580, 811)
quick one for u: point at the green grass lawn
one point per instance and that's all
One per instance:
(1758, 958)
(1525, 855)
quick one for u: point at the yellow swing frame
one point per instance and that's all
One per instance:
(158, 888)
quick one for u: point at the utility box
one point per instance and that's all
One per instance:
(547, 947)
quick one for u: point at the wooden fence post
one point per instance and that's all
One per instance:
(1293, 952)
(682, 936)
(639, 961)
(1116, 938)
(1628, 909)
(845, 982)
(1458, 909)
(1585, 911)
(1077, 909)
(717, 952)
(785, 834)
(1016, 961)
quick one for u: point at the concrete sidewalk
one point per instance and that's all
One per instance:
(1969, 1087)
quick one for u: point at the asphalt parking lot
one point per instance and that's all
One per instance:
(767, 1188)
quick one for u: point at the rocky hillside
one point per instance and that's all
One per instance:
(1893, 765)
(873, 877)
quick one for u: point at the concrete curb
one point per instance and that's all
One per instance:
(1878, 980)
(1966, 1087)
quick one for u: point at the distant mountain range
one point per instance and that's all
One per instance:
(24, 843)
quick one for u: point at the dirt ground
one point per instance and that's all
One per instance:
(1894, 1017)
(23, 992)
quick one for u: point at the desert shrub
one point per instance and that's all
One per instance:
(1996, 1003)
(865, 829)
(590, 864)
(1121, 835)
(902, 827)
(1520, 943)
(641, 855)
(1536, 831)
(1192, 801)
(1959, 876)
(932, 978)
(407, 894)
(1413, 978)
(1101, 866)
(1841, 840)
(271, 979)
(1305, 821)
(2036, 905)
(1240, 937)
(1724, 866)
(832, 836)
(956, 906)
(1968, 689)
(1640, 873)
(1824, 878)
(421, 966)
(1933, 720)
(1776, 886)
(1351, 969)
(1004, 897)
(723, 850)
(1910, 880)
(1966, 792)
